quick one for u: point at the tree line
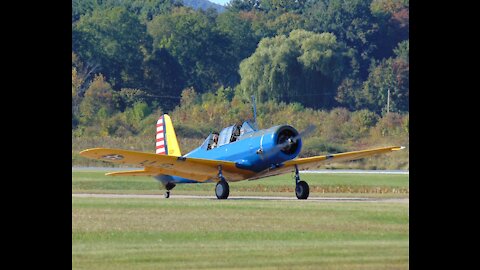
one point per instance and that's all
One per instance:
(336, 130)
(134, 57)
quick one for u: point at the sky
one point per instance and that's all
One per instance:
(221, 2)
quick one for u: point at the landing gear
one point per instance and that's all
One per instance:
(222, 190)
(302, 190)
(168, 186)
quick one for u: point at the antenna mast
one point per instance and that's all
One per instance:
(254, 111)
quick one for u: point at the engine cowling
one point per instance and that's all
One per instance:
(288, 141)
(275, 146)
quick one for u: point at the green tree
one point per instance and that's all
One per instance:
(282, 5)
(242, 43)
(360, 123)
(82, 7)
(389, 75)
(163, 78)
(115, 40)
(304, 67)
(190, 36)
(349, 93)
(272, 21)
(81, 78)
(128, 97)
(284, 23)
(144, 9)
(393, 18)
(135, 114)
(242, 5)
(402, 51)
(148, 9)
(99, 100)
(351, 21)
(388, 6)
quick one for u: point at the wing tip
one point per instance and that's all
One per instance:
(397, 148)
(143, 172)
(86, 151)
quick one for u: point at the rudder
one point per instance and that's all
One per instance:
(166, 139)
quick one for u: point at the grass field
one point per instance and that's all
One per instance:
(206, 234)
(363, 185)
(120, 233)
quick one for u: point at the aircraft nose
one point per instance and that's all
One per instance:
(288, 140)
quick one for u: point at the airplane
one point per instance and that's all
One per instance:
(239, 152)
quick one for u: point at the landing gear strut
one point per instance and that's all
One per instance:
(302, 190)
(222, 190)
(168, 186)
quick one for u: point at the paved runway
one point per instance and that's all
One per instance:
(328, 171)
(267, 198)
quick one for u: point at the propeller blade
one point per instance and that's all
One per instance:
(289, 141)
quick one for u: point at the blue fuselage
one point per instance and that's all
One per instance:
(254, 151)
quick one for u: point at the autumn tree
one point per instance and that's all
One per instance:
(99, 100)
(393, 18)
(389, 75)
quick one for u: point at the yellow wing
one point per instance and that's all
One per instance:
(314, 162)
(191, 168)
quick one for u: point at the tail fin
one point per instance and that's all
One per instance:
(166, 140)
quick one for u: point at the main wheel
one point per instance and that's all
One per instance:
(302, 190)
(222, 190)
(167, 194)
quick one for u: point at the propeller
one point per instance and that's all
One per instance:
(286, 142)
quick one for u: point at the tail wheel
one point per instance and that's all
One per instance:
(168, 187)
(302, 190)
(222, 190)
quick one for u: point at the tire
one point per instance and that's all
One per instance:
(302, 190)
(222, 190)
(166, 195)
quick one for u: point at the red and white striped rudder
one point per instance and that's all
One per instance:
(160, 139)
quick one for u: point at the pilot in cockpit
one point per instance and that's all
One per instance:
(215, 141)
(236, 132)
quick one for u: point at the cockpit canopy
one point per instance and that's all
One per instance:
(230, 134)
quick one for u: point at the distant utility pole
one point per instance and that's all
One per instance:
(388, 101)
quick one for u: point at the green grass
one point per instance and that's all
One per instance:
(369, 185)
(245, 234)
